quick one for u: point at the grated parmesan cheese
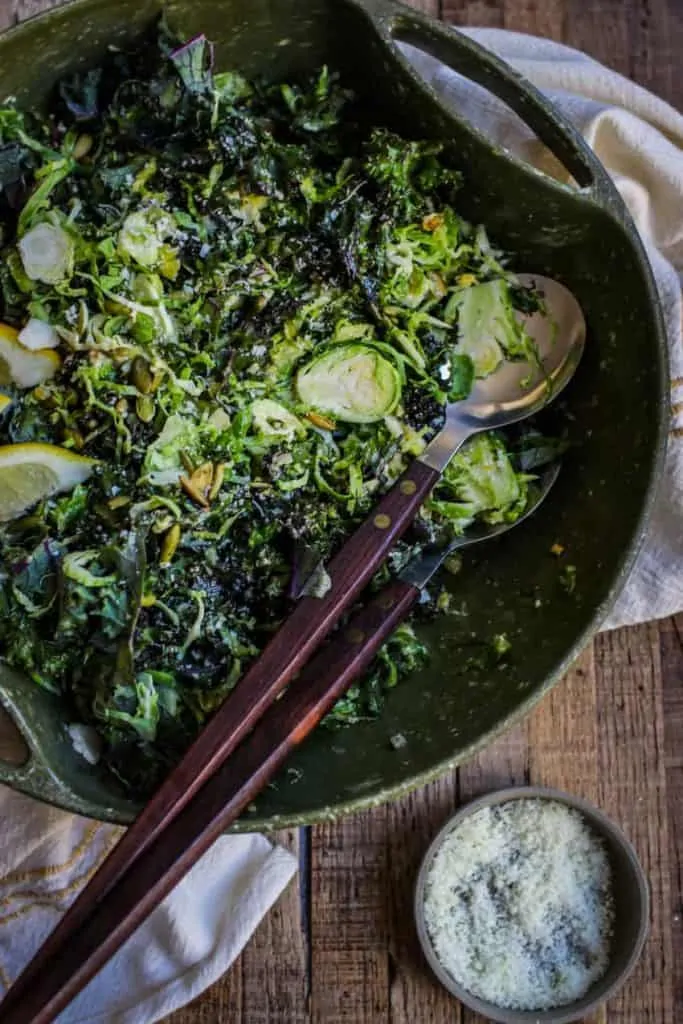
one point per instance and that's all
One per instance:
(518, 904)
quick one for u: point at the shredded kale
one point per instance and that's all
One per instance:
(207, 249)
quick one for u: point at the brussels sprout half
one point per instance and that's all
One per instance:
(353, 383)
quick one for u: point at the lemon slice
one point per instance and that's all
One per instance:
(31, 472)
(21, 366)
(5, 403)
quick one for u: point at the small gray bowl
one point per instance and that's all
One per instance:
(631, 906)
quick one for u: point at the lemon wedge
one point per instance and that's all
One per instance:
(25, 368)
(31, 472)
(5, 403)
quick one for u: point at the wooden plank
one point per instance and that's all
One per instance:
(482, 13)
(537, 17)
(563, 739)
(412, 822)
(659, 45)
(503, 763)
(349, 957)
(671, 648)
(603, 29)
(221, 1004)
(641, 38)
(277, 997)
(632, 790)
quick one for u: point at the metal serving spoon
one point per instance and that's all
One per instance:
(517, 390)
(420, 570)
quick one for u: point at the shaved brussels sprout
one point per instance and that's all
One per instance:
(47, 253)
(488, 328)
(143, 235)
(275, 422)
(354, 383)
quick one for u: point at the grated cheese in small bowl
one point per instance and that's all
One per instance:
(516, 904)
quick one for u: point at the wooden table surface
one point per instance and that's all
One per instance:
(339, 946)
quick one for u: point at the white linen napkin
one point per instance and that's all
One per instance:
(639, 139)
(47, 856)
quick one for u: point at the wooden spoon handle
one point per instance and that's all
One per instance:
(115, 915)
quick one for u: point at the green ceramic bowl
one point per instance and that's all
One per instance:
(618, 400)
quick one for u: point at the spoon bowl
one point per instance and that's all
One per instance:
(420, 571)
(518, 389)
(539, 490)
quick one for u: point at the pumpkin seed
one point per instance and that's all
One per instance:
(202, 477)
(217, 481)
(320, 421)
(145, 408)
(142, 376)
(118, 502)
(170, 543)
(192, 492)
(82, 147)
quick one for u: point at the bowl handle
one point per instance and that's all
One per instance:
(396, 23)
(33, 776)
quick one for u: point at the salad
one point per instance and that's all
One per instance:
(232, 313)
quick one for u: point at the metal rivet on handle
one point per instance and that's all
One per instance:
(382, 521)
(408, 487)
(355, 636)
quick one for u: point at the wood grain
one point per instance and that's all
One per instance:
(538, 17)
(610, 731)
(671, 648)
(483, 13)
(631, 762)
(563, 733)
(411, 824)
(349, 928)
(278, 996)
